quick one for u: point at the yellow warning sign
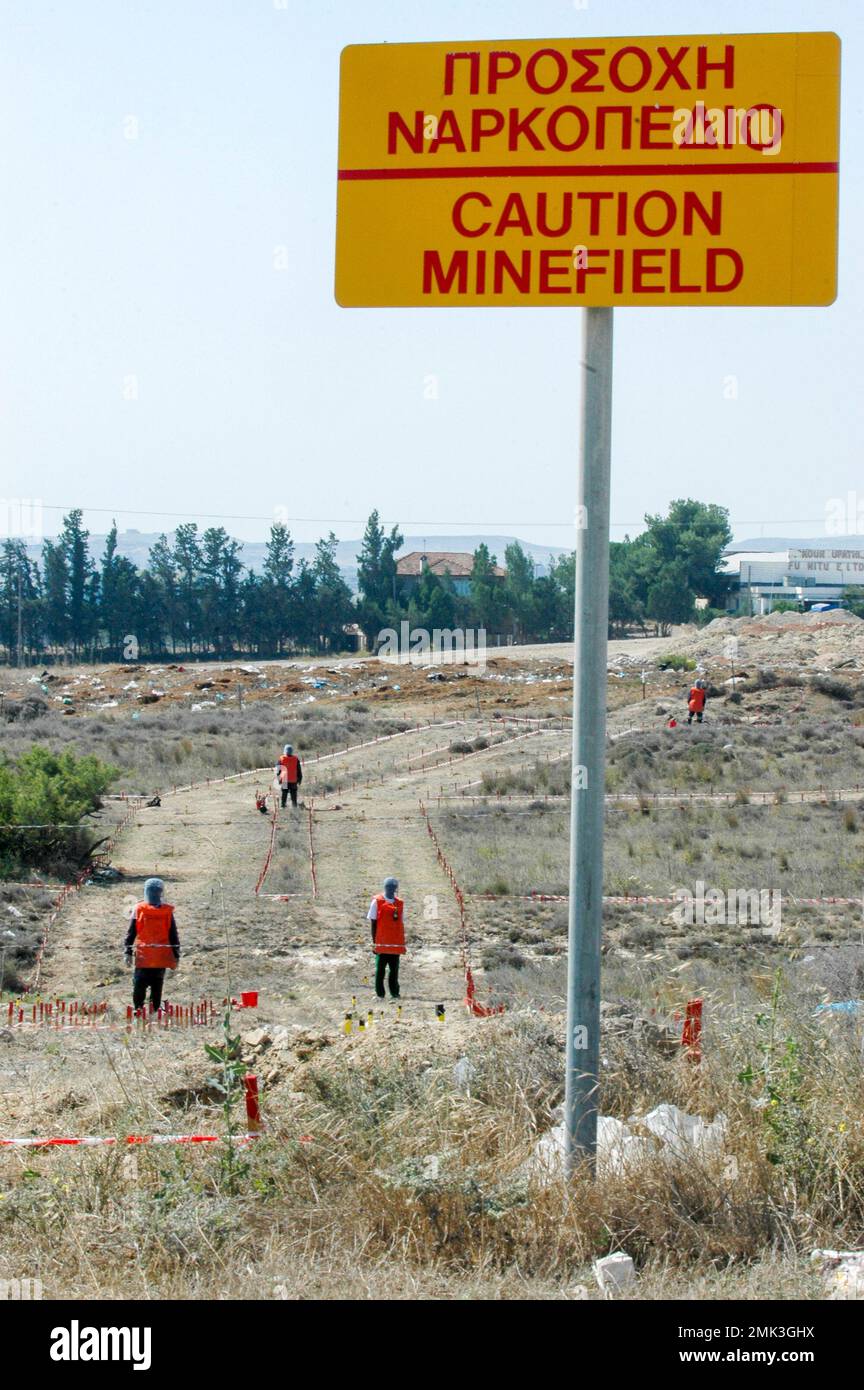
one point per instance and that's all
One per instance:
(647, 171)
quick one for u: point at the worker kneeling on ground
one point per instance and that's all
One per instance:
(388, 936)
(289, 774)
(696, 702)
(153, 934)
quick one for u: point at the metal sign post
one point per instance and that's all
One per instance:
(589, 738)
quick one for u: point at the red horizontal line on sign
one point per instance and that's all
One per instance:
(503, 171)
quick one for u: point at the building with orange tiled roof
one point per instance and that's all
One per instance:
(458, 564)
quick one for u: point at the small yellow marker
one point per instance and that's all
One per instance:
(361, 1023)
(346, 1026)
(370, 1019)
(353, 1001)
(439, 1012)
(398, 1011)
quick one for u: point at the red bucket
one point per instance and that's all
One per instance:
(249, 999)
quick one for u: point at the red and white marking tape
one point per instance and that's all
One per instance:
(75, 887)
(312, 868)
(477, 1009)
(265, 868)
(637, 898)
(91, 1141)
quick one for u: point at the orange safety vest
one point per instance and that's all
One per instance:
(152, 948)
(389, 927)
(288, 764)
(697, 700)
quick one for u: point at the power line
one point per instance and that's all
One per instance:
(424, 521)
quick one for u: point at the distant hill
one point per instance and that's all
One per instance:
(135, 546)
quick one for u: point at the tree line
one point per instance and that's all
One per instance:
(196, 599)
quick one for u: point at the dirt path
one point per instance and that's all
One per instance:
(307, 954)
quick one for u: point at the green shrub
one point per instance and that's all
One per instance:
(675, 662)
(52, 791)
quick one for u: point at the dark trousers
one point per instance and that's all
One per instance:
(144, 979)
(698, 714)
(292, 788)
(381, 970)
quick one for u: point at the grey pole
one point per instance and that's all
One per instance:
(589, 739)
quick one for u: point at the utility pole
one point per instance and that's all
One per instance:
(589, 740)
(20, 619)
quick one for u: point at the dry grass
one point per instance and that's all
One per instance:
(804, 850)
(170, 747)
(410, 1179)
(718, 757)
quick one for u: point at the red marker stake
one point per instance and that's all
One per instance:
(691, 1035)
(253, 1111)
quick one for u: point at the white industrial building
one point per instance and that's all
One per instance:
(803, 572)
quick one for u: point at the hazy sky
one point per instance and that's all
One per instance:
(149, 261)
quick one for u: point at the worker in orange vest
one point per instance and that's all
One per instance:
(386, 915)
(696, 702)
(289, 774)
(153, 935)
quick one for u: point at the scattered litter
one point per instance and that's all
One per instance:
(672, 1134)
(464, 1072)
(843, 1272)
(615, 1273)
